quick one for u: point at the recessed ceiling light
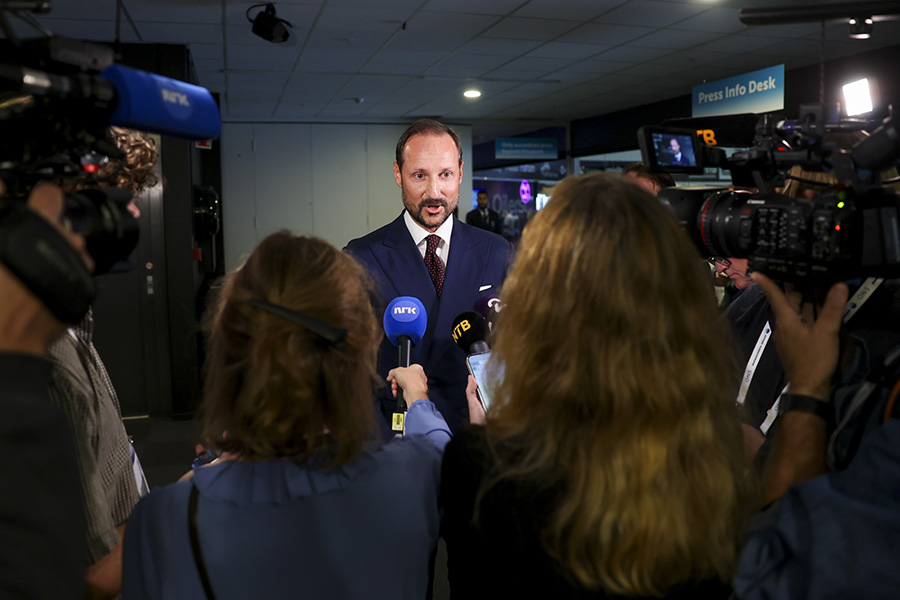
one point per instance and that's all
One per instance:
(472, 94)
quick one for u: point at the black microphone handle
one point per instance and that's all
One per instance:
(404, 347)
(479, 347)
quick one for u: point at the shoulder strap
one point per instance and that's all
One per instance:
(195, 543)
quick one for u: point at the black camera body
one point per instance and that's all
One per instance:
(850, 231)
(58, 97)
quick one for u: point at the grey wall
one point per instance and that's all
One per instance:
(329, 180)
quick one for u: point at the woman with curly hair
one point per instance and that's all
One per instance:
(611, 463)
(305, 501)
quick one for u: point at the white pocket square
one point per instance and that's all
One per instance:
(485, 287)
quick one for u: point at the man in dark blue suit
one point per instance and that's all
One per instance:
(483, 217)
(428, 254)
(678, 158)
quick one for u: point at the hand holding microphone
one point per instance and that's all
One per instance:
(405, 322)
(411, 381)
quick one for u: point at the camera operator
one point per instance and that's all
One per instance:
(831, 535)
(41, 515)
(872, 328)
(110, 471)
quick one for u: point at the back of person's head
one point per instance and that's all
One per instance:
(639, 169)
(274, 388)
(134, 172)
(617, 378)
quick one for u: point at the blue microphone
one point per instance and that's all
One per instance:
(150, 102)
(405, 321)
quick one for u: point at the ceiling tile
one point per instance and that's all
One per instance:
(476, 7)
(182, 33)
(530, 29)
(433, 24)
(574, 10)
(270, 57)
(385, 18)
(314, 87)
(567, 50)
(629, 53)
(599, 33)
(168, 12)
(598, 67)
(651, 13)
(716, 20)
(674, 40)
(738, 44)
(320, 60)
(499, 47)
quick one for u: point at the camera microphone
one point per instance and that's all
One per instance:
(128, 98)
(150, 102)
(470, 330)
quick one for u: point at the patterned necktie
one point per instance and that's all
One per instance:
(433, 263)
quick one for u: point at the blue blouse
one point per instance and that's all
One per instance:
(275, 529)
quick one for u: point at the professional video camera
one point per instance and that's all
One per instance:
(58, 97)
(848, 232)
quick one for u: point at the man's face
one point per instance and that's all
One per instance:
(644, 182)
(737, 272)
(482, 199)
(675, 146)
(429, 180)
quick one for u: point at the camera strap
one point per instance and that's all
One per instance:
(35, 252)
(855, 302)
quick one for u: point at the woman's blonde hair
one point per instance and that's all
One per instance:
(616, 386)
(274, 388)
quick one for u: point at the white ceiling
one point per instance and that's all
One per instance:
(537, 62)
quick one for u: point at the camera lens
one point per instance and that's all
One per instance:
(101, 216)
(724, 222)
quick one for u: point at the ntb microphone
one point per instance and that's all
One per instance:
(470, 330)
(405, 321)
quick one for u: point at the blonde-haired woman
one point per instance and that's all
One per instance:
(308, 503)
(612, 462)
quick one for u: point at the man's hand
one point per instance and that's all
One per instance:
(808, 346)
(25, 323)
(412, 380)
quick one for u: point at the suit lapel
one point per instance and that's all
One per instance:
(464, 269)
(403, 266)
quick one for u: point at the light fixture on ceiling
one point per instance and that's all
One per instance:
(472, 93)
(268, 26)
(857, 98)
(861, 28)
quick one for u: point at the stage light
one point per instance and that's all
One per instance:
(857, 97)
(268, 26)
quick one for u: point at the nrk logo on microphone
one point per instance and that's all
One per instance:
(405, 316)
(405, 311)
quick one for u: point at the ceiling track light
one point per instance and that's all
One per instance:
(268, 26)
(861, 28)
(783, 15)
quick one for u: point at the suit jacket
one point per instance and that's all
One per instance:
(683, 161)
(492, 223)
(477, 264)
